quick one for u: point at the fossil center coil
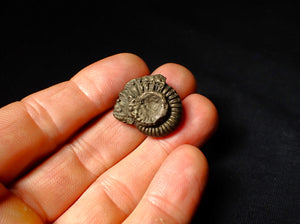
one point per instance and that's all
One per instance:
(150, 104)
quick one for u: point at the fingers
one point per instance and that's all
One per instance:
(117, 192)
(175, 190)
(39, 123)
(180, 78)
(57, 183)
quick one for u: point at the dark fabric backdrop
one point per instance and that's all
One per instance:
(245, 59)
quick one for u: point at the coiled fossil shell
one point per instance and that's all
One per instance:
(150, 104)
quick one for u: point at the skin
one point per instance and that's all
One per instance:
(65, 159)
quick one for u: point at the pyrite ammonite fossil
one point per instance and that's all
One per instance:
(150, 104)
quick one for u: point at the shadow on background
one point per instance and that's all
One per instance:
(223, 185)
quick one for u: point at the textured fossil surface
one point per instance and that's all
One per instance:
(150, 104)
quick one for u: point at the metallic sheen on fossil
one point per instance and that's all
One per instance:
(150, 104)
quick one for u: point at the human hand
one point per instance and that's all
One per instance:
(65, 159)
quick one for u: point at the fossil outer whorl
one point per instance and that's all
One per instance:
(150, 104)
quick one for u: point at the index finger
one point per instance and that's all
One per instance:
(37, 125)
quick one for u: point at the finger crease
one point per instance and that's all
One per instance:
(85, 154)
(35, 109)
(119, 194)
(165, 146)
(165, 207)
(37, 208)
(92, 85)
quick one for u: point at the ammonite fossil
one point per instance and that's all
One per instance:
(150, 104)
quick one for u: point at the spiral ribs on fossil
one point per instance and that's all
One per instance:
(150, 104)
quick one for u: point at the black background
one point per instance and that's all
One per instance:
(245, 59)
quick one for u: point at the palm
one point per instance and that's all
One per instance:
(103, 171)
